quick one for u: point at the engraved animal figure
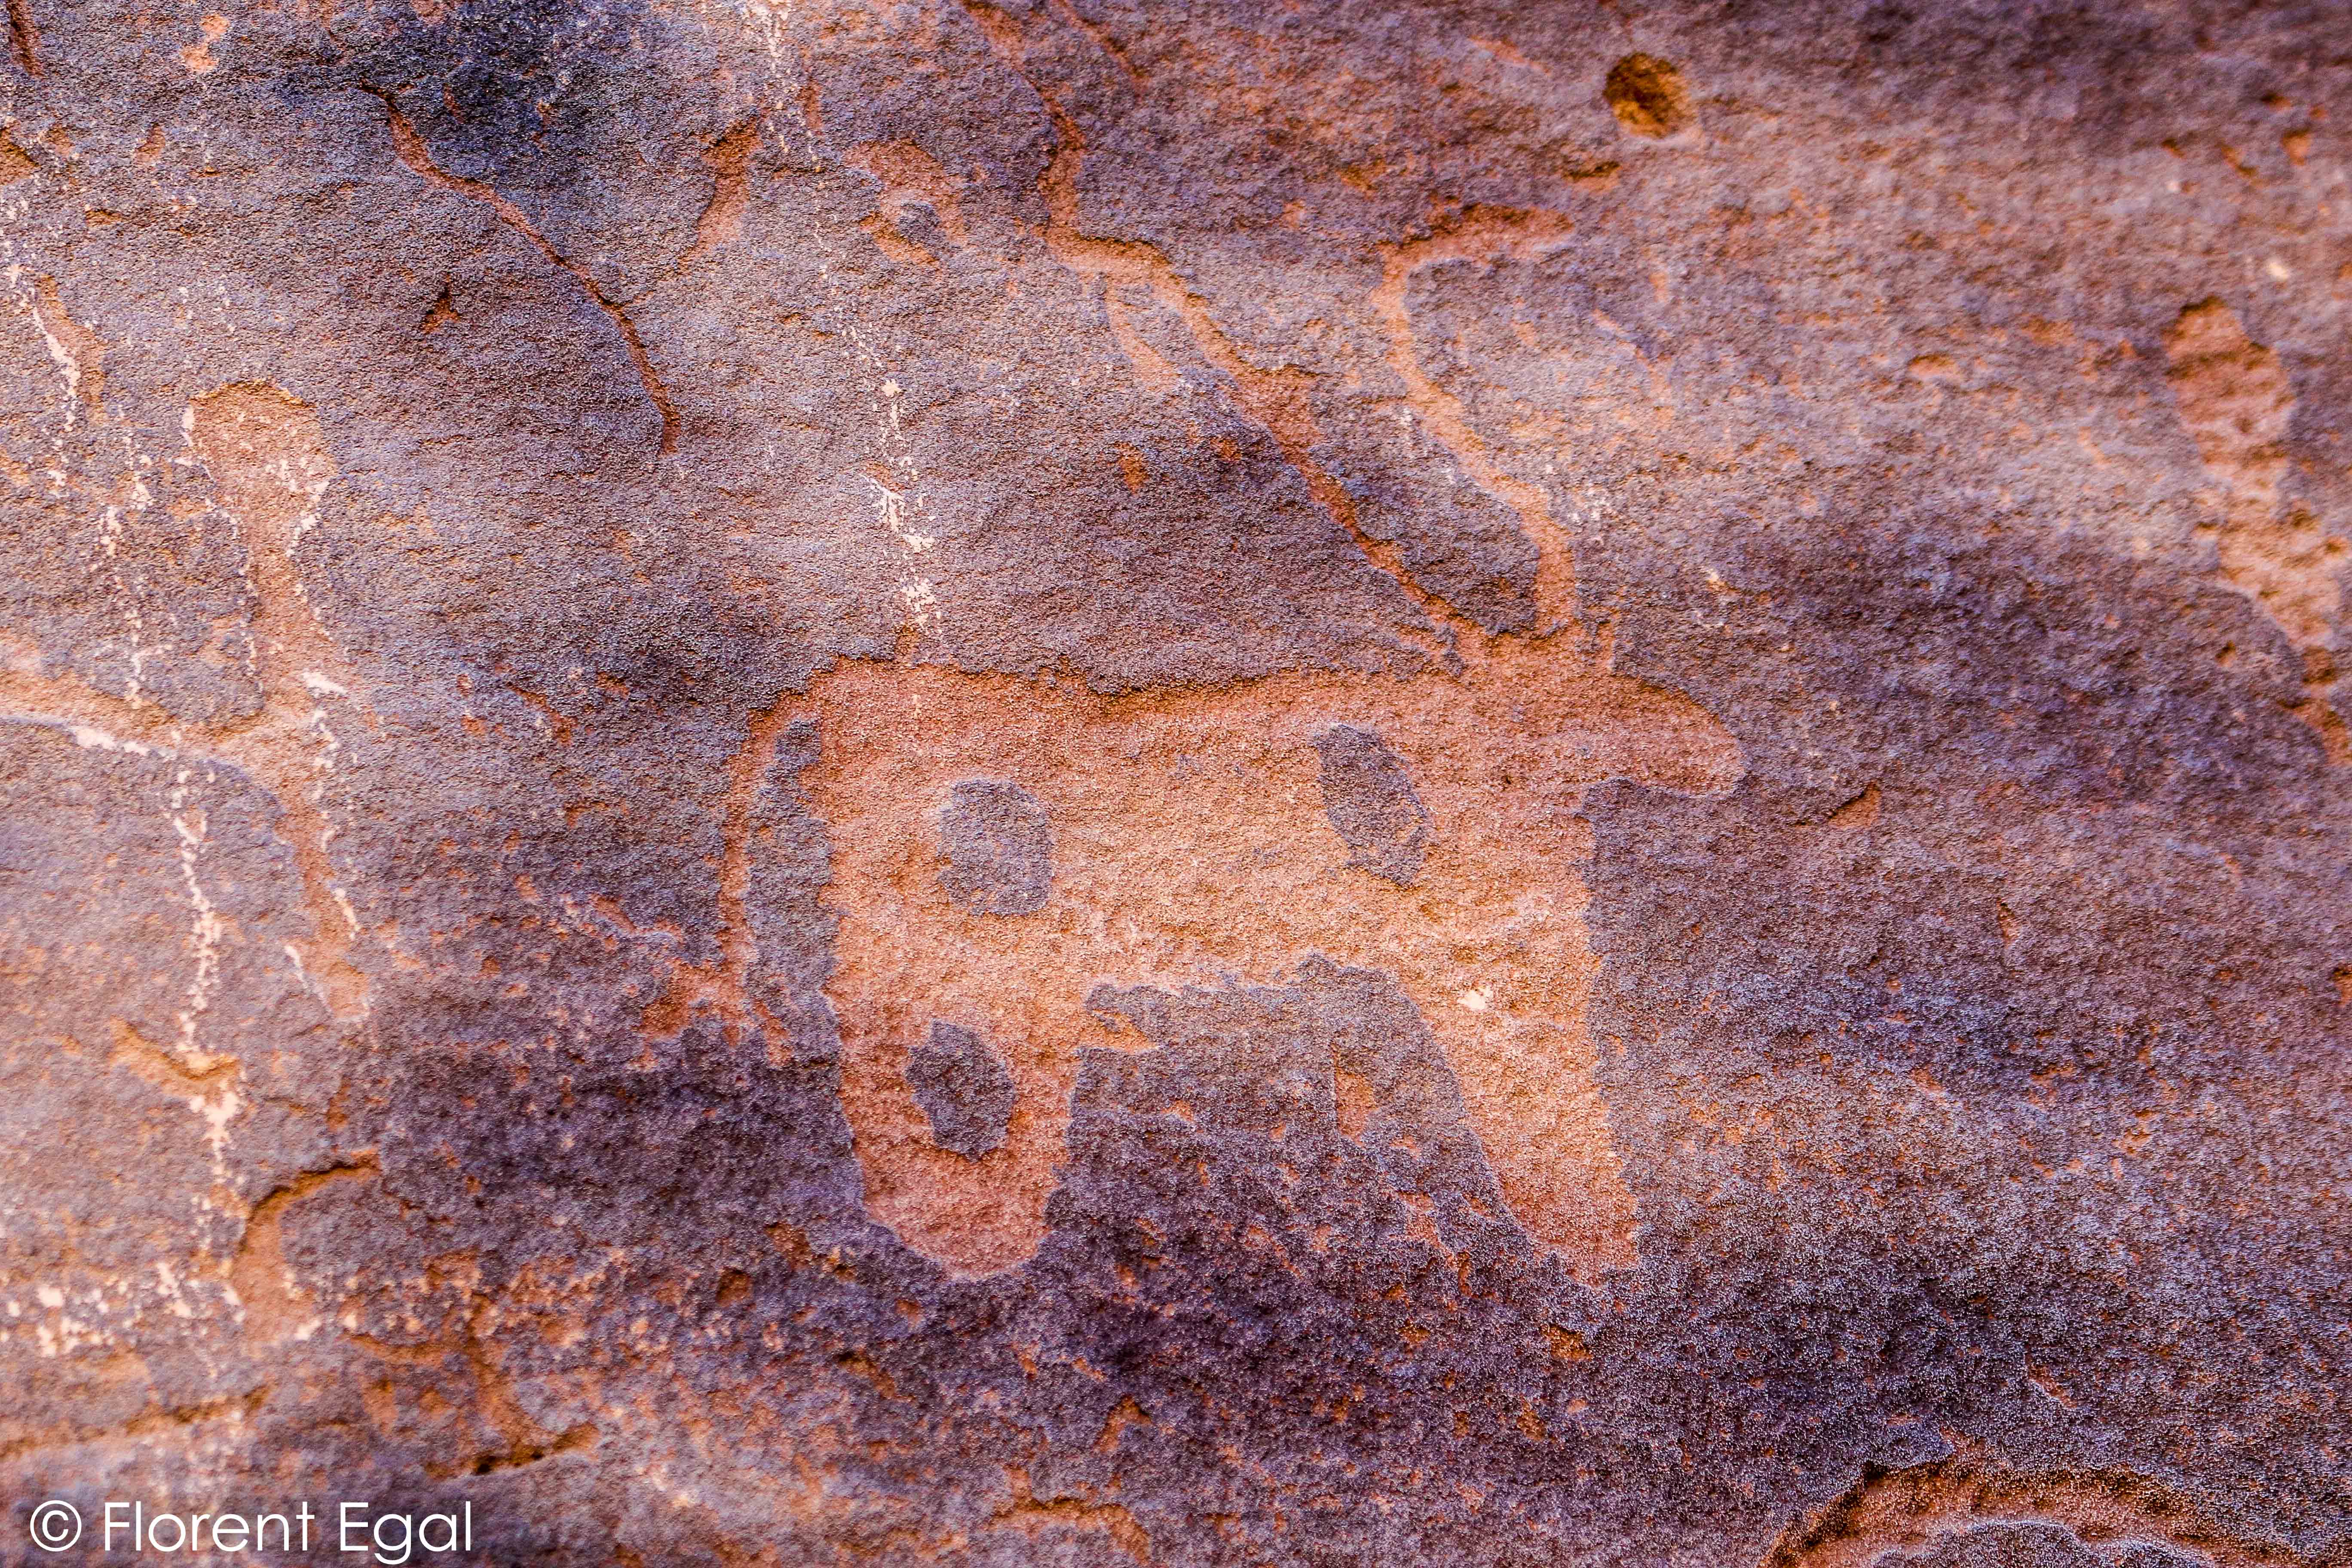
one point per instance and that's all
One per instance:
(1002, 846)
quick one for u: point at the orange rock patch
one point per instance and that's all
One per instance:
(1190, 847)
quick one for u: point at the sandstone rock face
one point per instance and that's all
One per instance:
(1041, 780)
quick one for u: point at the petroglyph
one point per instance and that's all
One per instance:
(1276, 399)
(1003, 846)
(268, 460)
(495, 919)
(1429, 828)
(1190, 848)
(264, 450)
(1486, 236)
(2035, 1544)
(80, 357)
(2236, 400)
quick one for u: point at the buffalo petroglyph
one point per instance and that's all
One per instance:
(1003, 846)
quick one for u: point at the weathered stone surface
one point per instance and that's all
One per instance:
(1369, 799)
(997, 848)
(1036, 780)
(2032, 1543)
(963, 1087)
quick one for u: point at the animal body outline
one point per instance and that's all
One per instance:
(1193, 844)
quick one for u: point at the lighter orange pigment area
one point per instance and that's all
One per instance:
(2236, 401)
(264, 448)
(1190, 848)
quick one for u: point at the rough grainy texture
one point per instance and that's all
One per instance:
(1038, 781)
(996, 848)
(1368, 798)
(964, 1090)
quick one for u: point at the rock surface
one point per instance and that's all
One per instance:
(1035, 781)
